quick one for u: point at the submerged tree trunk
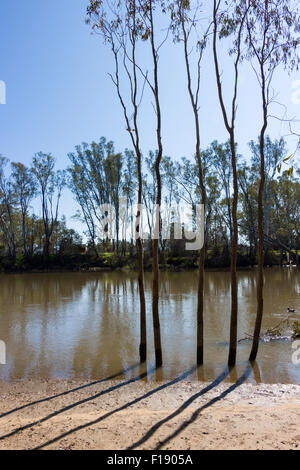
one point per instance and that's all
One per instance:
(231, 131)
(234, 286)
(155, 284)
(260, 274)
(194, 102)
(134, 135)
(155, 292)
(201, 274)
(200, 307)
(143, 327)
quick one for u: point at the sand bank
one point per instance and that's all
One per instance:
(119, 415)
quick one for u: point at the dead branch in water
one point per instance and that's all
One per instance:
(275, 331)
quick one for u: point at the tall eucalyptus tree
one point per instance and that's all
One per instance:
(227, 23)
(120, 25)
(273, 40)
(184, 22)
(50, 184)
(7, 202)
(24, 190)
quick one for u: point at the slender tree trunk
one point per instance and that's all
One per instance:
(155, 288)
(95, 248)
(201, 274)
(260, 273)
(194, 102)
(143, 327)
(24, 234)
(155, 309)
(200, 308)
(234, 287)
(141, 280)
(231, 130)
(134, 135)
(12, 234)
(143, 331)
(47, 249)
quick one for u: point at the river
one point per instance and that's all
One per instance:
(86, 325)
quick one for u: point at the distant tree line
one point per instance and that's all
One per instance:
(97, 174)
(24, 234)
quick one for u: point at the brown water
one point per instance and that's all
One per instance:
(86, 325)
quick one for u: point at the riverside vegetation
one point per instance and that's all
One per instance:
(98, 174)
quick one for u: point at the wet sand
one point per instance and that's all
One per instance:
(117, 415)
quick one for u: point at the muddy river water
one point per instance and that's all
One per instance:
(86, 325)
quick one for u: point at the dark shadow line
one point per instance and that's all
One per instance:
(67, 392)
(121, 408)
(73, 405)
(196, 413)
(179, 410)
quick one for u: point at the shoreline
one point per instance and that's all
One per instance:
(126, 269)
(117, 414)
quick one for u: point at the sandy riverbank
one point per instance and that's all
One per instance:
(184, 415)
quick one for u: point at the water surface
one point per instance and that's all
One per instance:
(86, 325)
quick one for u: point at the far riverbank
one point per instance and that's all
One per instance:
(129, 262)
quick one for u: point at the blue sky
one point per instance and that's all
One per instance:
(59, 93)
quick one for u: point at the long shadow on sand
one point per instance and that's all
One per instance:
(215, 383)
(67, 392)
(179, 410)
(123, 407)
(73, 405)
(196, 413)
(154, 429)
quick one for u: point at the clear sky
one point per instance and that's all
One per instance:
(59, 93)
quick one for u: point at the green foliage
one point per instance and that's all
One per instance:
(98, 174)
